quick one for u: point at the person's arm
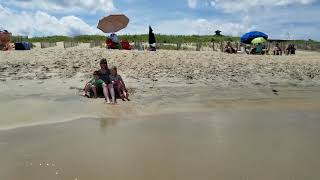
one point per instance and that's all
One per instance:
(124, 85)
(86, 83)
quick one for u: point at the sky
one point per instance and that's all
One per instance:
(280, 19)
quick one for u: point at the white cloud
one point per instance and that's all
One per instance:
(65, 5)
(247, 5)
(192, 3)
(203, 27)
(40, 23)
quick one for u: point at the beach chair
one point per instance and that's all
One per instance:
(112, 45)
(125, 45)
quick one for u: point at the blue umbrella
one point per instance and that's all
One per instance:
(248, 37)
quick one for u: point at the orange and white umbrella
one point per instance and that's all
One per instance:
(113, 23)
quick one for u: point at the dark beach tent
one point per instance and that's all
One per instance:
(152, 38)
(248, 37)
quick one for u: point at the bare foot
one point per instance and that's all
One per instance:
(85, 95)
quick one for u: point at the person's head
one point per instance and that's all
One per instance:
(228, 43)
(277, 44)
(96, 75)
(104, 63)
(114, 71)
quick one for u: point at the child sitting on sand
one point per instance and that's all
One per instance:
(118, 84)
(97, 86)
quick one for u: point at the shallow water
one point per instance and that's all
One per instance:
(252, 142)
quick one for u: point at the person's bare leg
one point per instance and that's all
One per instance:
(125, 94)
(87, 89)
(119, 91)
(94, 89)
(111, 89)
(106, 93)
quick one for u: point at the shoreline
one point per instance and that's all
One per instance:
(149, 99)
(40, 83)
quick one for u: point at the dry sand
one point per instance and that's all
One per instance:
(213, 67)
(193, 115)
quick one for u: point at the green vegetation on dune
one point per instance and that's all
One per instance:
(162, 39)
(180, 38)
(136, 38)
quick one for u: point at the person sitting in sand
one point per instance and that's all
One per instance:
(260, 49)
(229, 49)
(105, 76)
(113, 42)
(96, 85)
(119, 84)
(114, 38)
(277, 50)
(253, 50)
(290, 49)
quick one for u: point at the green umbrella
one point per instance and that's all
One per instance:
(258, 40)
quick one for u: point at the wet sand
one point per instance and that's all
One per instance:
(250, 134)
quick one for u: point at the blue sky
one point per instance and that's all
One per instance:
(285, 19)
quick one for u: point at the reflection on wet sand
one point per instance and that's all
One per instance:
(197, 134)
(256, 142)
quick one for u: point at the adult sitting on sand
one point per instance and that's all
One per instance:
(229, 49)
(290, 49)
(105, 76)
(260, 49)
(97, 86)
(114, 38)
(277, 50)
(113, 42)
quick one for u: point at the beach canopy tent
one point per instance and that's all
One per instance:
(113, 23)
(258, 40)
(248, 37)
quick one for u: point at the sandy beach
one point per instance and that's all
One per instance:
(193, 115)
(206, 66)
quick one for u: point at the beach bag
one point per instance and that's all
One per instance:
(22, 46)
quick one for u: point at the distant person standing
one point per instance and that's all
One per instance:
(152, 40)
